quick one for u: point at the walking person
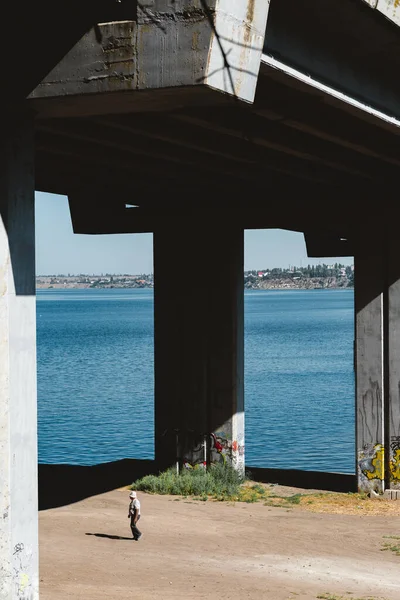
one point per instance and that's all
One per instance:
(134, 514)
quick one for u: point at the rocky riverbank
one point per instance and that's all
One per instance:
(251, 281)
(310, 283)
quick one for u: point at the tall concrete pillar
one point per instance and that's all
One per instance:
(18, 429)
(199, 340)
(393, 350)
(369, 361)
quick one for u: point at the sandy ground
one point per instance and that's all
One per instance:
(210, 550)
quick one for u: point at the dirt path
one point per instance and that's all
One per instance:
(209, 550)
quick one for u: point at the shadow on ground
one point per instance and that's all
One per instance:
(332, 482)
(60, 485)
(110, 537)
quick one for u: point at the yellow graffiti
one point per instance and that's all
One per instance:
(23, 581)
(377, 462)
(394, 466)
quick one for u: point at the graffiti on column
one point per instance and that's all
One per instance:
(197, 450)
(224, 449)
(219, 448)
(25, 589)
(394, 463)
(371, 465)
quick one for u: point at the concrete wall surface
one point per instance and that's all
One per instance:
(216, 44)
(18, 420)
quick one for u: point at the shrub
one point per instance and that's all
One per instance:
(220, 481)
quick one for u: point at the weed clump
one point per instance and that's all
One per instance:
(220, 481)
(392, 546)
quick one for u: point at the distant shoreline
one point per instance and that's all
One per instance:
(317, 283)
(295, 278)
(272, 284)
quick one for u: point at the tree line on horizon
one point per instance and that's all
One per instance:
(311, 271)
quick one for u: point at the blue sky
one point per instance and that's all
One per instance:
(59, 250)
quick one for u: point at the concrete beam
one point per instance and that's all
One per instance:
(330, 42)
(175, 46)
(320, 245)
(18, 430)
(236, 44)
(90, 213)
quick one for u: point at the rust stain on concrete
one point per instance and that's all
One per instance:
(195, 40)
(247, 37)
(250, 11)
(249, 20)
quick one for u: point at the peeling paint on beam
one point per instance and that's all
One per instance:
(236, 46)
(129, 55)
(216, 45)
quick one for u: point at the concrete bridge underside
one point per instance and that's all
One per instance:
(208, 118)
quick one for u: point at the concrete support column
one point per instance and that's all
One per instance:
(199, 341)
(393, 349)
(369, 337)
(18, 428)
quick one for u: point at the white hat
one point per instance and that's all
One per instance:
(132, 495)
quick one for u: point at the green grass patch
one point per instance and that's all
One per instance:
(393, 546)
(251, 493)
(220, 481)
(283, 501)
(295, 499)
